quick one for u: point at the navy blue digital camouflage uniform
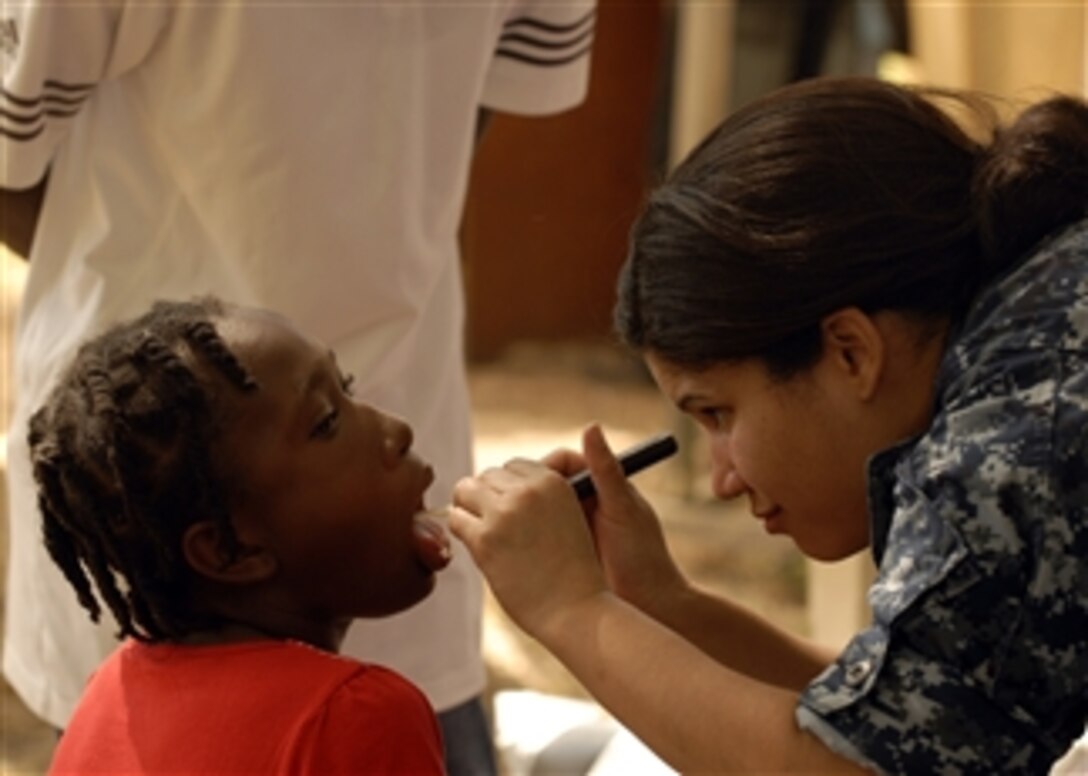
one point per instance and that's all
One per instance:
(977, 659)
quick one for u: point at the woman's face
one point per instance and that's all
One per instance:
(794, 448)
(327, 484)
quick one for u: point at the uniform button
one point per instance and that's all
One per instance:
(856, 673)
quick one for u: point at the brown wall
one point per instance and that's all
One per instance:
(551, 199)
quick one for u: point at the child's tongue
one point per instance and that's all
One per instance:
(432, 543)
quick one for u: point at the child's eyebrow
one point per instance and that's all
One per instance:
(317, 372)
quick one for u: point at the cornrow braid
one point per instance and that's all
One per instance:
(204, 336)
(122, 456)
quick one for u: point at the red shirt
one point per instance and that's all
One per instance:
(269, 707)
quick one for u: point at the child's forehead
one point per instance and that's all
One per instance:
(264, 338)
(246, 327)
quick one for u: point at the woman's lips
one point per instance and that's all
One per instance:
(772, 520)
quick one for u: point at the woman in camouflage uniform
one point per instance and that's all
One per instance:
(882, 324)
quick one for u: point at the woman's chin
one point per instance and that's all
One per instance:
(829, 552)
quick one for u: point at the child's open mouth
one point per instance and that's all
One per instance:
(431, 540)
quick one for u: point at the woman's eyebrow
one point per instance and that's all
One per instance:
(686, 400)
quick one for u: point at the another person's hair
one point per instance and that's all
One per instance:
(122, 453)
(840, 192)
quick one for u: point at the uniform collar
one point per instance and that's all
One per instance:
(881, 494)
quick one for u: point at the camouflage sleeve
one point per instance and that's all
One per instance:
(976, 659)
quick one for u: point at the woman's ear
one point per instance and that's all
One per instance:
(208, 555)
(854, 347)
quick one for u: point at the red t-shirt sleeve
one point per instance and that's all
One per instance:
(376, 722)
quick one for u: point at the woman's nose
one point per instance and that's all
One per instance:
(725, 481)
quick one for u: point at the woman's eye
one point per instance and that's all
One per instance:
(327, 426)
(346, 383)
(711, 417)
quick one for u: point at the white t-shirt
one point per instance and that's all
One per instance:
(310, 158)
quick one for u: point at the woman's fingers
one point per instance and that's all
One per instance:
(473, 493)
(465, 525)
(524, 528)
(565, 461)
(500, 493)
(604, 467)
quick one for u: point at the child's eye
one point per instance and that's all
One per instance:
(346, 383)
(327, 426)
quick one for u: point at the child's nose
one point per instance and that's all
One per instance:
(398, 438)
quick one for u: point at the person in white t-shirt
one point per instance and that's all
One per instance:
(307, 158)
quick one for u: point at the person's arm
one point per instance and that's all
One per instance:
(742, 640)
(696, 714)
(19, 212)
(527, 533)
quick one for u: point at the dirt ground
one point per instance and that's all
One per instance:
(531, 400)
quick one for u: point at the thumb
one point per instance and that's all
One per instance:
(604, 467)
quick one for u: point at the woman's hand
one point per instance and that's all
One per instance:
(526, 531)
(627, 533)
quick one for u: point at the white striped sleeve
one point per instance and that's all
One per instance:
(541, 64)
(52, 56)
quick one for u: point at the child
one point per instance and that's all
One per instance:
(206, 466)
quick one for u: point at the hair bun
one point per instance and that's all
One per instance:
(1033, 178)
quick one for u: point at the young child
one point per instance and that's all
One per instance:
(207, 469)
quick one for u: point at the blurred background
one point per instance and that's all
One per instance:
(544, 234)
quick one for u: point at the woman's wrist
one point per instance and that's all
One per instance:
(569, 625)
(659, 595)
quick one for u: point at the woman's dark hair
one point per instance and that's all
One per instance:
(122, 456)
(838, 192)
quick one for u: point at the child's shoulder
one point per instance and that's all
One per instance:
(288, 662)
(288, 672)
(322, 711)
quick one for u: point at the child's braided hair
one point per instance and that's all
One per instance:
(122, 455)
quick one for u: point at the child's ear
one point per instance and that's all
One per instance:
(856, 348)
(208, 555)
